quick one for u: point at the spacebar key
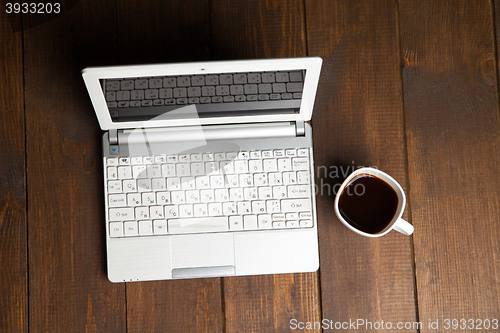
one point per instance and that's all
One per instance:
(197, 225)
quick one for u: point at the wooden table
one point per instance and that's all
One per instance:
(410, 87)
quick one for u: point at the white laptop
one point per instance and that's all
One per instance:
(208, 167)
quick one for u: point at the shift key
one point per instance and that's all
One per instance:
(295, 205)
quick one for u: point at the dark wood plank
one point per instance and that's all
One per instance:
(452, 125)
(358, 121)
(162, 31)
(168, 31)
(68, 286)
(13, 238)
(263, 29)
(257, 29)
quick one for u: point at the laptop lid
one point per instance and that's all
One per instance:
(298, 109)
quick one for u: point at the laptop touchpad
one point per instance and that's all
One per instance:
(202, 255)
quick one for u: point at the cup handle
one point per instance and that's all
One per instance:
(403, 227)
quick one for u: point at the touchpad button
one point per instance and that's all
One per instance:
(202, 250)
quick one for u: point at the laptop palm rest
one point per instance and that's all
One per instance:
(202, 255)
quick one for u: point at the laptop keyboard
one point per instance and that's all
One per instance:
(209, 192)
(203, 89)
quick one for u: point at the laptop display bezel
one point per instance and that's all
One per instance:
(311, 65)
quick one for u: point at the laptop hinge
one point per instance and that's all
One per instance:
(113, 136)
(300, 128)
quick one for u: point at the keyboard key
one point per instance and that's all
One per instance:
(265, 88)
(124, 172)
(292, 224)
(134, 199)
(137, 94)
(160, 227)
(121, 214)
(297, 95)
(299, 191)
(265, 193)
(240, 98)
(268, 77)
(116, 229)
(226, 79)
(294, 205)
(282, 77)
(293, 87)
(141, 84)
(144, 185)
(279, 225)
(117, 200)
(250, 222)
(295, 76)
(279, 88)
(263, 97)
(236, 222)
(270, 165)
(265, 221)
(273, 206)
(130, 228)
(142, 213)
(196, 225)
(236, 89)
(197, 80)
(200, 210)
(151, 93)
(211, 80)
(258, 207)
(155, 83)
(112, 85)
(278, 217)
(171, 211)
(305, 216)
(169, 82)
(254, 78)
(303, 177)
(222, 90)
(215, 209)
(163, 198)
(110, 96)
(239, 78)
(145, 228)
(300, 163)
(184, 81)
(148, 198)
(123, 104)
(284, 164)
(305, 223)
(112, 161)
(244, 207)
(112, 173)
(127, 85)
(114, 186)
(185, 211)
(292, 216)
(251, 89)
(279, 192)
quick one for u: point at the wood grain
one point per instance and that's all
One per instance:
(257, 29)
(452, 125)
(13, 237)
(358, 121)
(263, 29)
(168, 32)
(162, 31)
(68, 287)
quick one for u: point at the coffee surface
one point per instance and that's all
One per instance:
(368, 203)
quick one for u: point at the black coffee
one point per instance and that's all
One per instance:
(368, 203)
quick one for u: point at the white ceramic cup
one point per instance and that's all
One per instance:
(397, 223)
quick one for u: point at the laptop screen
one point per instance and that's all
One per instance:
(213, 95)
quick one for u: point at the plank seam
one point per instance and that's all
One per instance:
(495, 50)
(405, 144)
(26, 198)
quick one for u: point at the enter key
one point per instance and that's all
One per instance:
(299, 191)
